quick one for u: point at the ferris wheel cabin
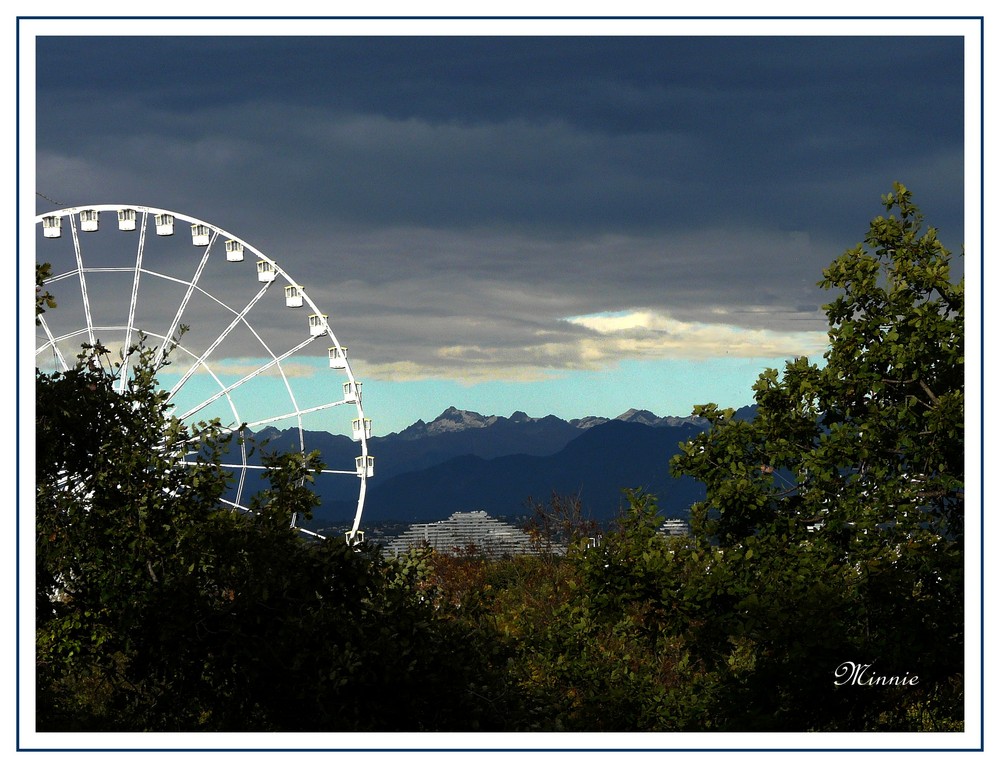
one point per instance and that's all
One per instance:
(293, 295)
(266, 272)
(365, 466)
(234, 250)
(52, 226)
(126, 220)
(317, 324)
(352, 391)
(164, 224)
(361, 428)
(89, 220)
(338, 357)
(199, 234)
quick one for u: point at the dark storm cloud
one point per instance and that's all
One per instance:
(476, 190)
(698, 121)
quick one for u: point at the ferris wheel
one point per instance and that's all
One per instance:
(250, 355)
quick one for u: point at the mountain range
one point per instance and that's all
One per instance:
(463, 461)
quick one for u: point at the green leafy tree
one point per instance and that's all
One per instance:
(160, 608)
(43, 299)
(831, 531)
(115, 507)
(840, 508)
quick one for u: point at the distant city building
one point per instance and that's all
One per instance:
(675, 527)
(461, 531)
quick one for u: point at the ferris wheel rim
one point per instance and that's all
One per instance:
(344, 364)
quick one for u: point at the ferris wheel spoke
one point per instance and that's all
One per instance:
(284, 378)
(222, 337)
(235, 505)
(175, 323)
(243, 471)
(297, 413)
(245, 379)
(63, 276)
(83, 279)
(227, 466)
(312, 533)
(123, 376)
(218, 381)
(52, 342)
(274, 358)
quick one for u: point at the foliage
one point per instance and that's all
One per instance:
(159, 608)
(831, 532)
(43, 299)
(874, 438)
(559, 524)
(839, 508)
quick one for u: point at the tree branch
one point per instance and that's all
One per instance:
(927, 390)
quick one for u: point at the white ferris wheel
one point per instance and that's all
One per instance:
(251, 355)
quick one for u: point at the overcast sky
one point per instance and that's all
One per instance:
(569, 225)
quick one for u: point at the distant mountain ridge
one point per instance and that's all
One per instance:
(463, 460)
(597, 465)
(454, 420)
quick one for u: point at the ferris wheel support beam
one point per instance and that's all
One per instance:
(83, 280)
(123, 377)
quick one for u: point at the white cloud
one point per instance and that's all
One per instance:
(604, 341)
(466, 365)
(644, 333)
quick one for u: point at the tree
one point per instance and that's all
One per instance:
(160, 608)
(115, 509)
(853, 468)
(43, 299)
